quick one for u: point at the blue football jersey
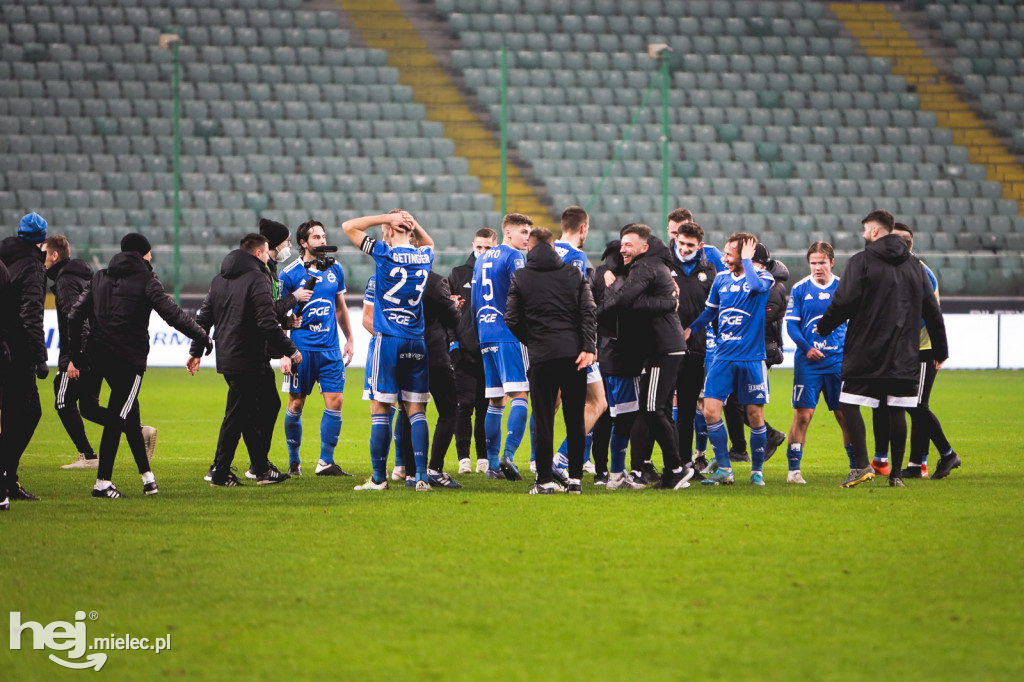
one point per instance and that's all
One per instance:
(571, 255)
(401, 277)
(741, 313)
(716, 258)
(319, 328)
(492, 276)
(370, 289)
(808, 301)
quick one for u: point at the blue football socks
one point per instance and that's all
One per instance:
(720, 443)
(420, 433)
(794, 455)
(758, 445)
(492, 430)
(399, 436)
(851, 455)
(517, 418)
(380, 443)
(700, 430)
(293, 435)
(618, 446)
(330, 429)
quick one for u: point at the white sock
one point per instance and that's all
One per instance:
(148, 477)
(102, 485)
(574, 481)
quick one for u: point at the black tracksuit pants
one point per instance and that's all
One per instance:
(443, 393)
(689, 381)
(122, 414)
(469, 388)
(77, 398)
(251, 412)
(547, 378)
(19, 416)
(924, 425)
(657, 386)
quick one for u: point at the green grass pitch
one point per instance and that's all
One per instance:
(311, 580)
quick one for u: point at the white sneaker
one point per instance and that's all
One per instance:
(398, 474)
(83, 463)
(589, 467)
(465, 466)
(482, 466)
(623, 481)
(370, 485)
(795, 477)
(422, 487)
(149, 438)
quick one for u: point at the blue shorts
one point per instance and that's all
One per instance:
(326, 367)
(622, 394)
(399, 365)
(593, 374)
(367, 393)
(808, 385)
(747, 379)
(505, 365)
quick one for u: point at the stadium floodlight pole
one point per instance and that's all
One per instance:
(504, 129)
(661, 52)
(170, 41)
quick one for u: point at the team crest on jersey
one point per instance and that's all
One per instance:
(331, 277)
(824, 296)
(703, 276)
(734, 287)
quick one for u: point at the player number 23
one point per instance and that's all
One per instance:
(400, 272)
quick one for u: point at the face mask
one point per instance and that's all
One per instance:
(283, 255)
(686, 259)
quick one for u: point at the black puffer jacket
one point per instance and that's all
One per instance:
(117, 305)
(23, 308)
(644, 301)
(777, 300)
(694, 280)
(240, 308)
(6, 303)
(440, 319)
(884, 293)
(70, 278)
(551, 308)
(460, 283)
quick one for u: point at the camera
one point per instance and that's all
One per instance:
(323, 261)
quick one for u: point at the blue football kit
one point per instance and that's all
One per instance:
(808, 301)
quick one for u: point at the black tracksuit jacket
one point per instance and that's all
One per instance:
(694, 280)
(22, 309)
(440, 318)
(70, 278)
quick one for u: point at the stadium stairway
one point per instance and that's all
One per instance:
(384, 25)
(881, 35)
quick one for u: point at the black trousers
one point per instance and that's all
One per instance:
(546, 380)
(469, 389)
(251, 412)
(657, 387)
(122, 414)
(602, 439)
(19, 415)
(924, 425)
(443, 394)
(735, 419)
(77, 398)
(689, 381)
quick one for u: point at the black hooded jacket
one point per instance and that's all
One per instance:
(643, 306)
(70, 278)
(440, 319)
(884, 293)
(241, 309)
(285, 304)
(22, 309)
(550, 307)
(117, 305)
(460, 283)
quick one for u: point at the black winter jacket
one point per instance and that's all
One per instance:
(70, 278)
(240, 308)
(460, 283)
(6, 303)
(23, 309)
(285, 304)
(644, 302)
(884, 293)
(694, 280)
(440, 317)
(550, 308)
(777, 301)
(117, 305)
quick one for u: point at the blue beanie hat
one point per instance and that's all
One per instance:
(32, 228)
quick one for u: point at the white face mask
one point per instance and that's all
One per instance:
(283, 255)
(686, 259)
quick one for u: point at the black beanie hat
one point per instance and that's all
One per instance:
(762, 255)
(135, 242)
(275, 232)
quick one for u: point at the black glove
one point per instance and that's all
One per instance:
(209, 345)
(42, 371)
